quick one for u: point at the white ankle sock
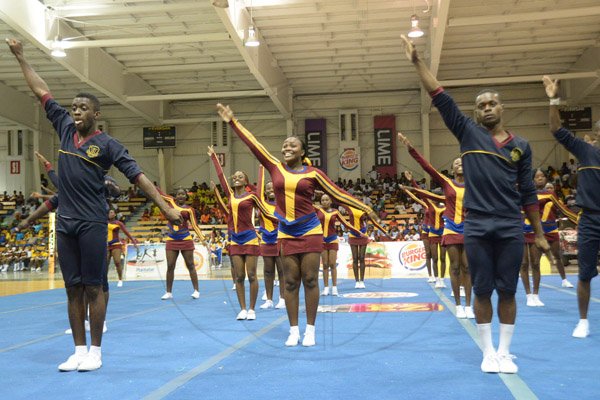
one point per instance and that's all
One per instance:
(506, 334)
(96, 350)
(485, 336)
(81, 350)
(310, 329)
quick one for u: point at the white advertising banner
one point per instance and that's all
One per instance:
(149, 262)
(386, 260)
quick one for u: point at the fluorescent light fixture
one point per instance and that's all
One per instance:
(251, 40)
(415, 31)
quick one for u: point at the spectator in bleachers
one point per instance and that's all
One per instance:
(412, 234)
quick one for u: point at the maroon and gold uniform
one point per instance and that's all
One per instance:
(113, 241)
(548, 204)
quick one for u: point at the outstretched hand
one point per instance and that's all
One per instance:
(409, 49)
(224, 112)
(551, 86)
(408, 175)
(404, 140)
(210, 151)
(15, 46)
(40, 157)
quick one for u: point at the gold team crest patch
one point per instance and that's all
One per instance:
(515, 154)
(93, 151)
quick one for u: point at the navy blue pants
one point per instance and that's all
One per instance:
(588, 244)
(82, 251)
(494, 247)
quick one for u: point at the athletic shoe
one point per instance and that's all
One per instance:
(357, 285)
(196, 294)
(460, 312)
(362, 285)
(167, 296)
(537, 301)
(242, 315)
(309, 339)
(233, 288)
(268, 304)
(280, 303)
(264, 296)
(462, 291)
(104, 328)
(582, 330)
(86, 323)
(72, 363)
(431, 279)
(566, 283)
(91, 363)
(490, 364)
(120, 284)
(439, 283)
(325, 291)
(334, 291)
(293, 338)
(69, 331)
(469, 312)
(251, 315)
(506, 364)
(531, 301)
(276, 283)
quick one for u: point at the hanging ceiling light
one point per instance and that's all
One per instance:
(58, 49)
(251, 40)
(415, 31)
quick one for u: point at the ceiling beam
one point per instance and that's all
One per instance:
(146, 40)
(439, 23)
(517, 79)
(259, 59)
(522, 48)
(524, 17)
(92, 66)
(580, 89)
(242, 117)
(100, 10)
(199, 96)
(187, 67)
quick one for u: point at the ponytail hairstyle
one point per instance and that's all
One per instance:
(305, 159)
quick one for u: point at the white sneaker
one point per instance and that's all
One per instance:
(268, 304)
(357, 285)
(69, 331)
(86, 324)
(242, 315)
(442, 283)
(566, 284)
(276, 283)
(104, 328)
(325, 291)
(264, 296)
(90, 363)
(120, 284)
(72, 362)
(334, 291)
(233, 288)
(167, 296)
(439, 283)
(196, 294)
(309, 339)
(294, 337)
(537, 301)
(469, 312)
(431, 279)
(251, 315)
(362, 285)
(582, 330)
(506, 364)
(280, 303)
(490, 364)
(530, 301)
(462, 291)
(460, 312)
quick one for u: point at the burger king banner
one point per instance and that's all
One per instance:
(349, 159)
(386, 260)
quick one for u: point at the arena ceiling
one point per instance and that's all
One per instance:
(145, 56)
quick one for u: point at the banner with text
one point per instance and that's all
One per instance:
(349, 158)
(316, 142)
(385, 145)
(149, 262)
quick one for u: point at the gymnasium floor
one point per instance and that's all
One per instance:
(399, 341)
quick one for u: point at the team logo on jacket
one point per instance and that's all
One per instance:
(349, 159)
(515, 154)
(93, 151)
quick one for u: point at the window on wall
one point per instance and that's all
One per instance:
(19, 142)
(342, 127)
(224, 132)
(353, 128)
(214, 133)
(9, 144)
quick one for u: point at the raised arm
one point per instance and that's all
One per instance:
(259, 151)
(551, 87)
(260, 205)
(415, 198)
(39, 212)
(564, 209)
(260, 184)
(434, 173)
(126, 232)
(171, 214)
(37, 85)
(430, 83)
(220, 201)
(341, 196)
(343, 221)
(224, 184)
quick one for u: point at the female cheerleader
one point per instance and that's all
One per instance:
(453, 237)
(300, 233)
(548, 205)
(244, 246)
(114, 243)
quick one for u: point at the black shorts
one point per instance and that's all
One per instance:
(494, 247)
(588, 244)
(82, 251)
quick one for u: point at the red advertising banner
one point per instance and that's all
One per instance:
(385, 145)
(15, 167)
